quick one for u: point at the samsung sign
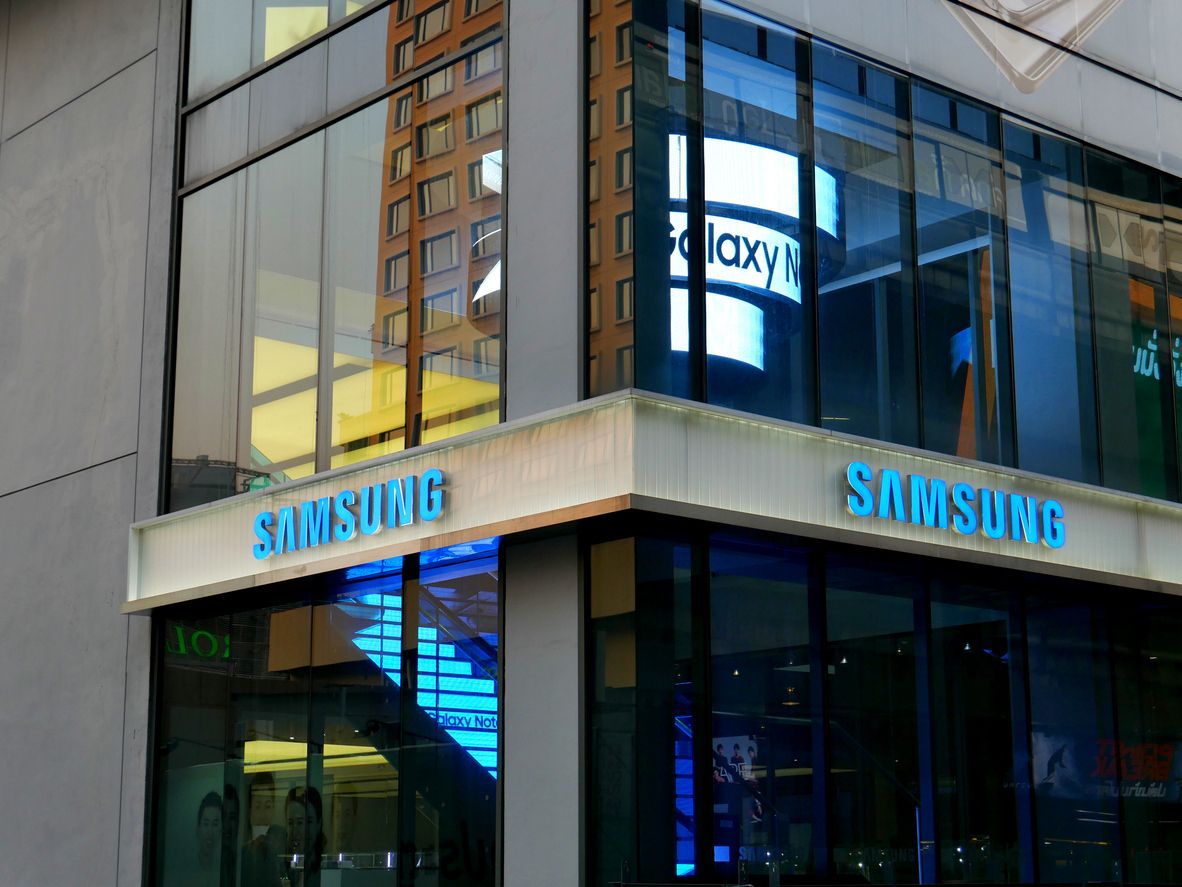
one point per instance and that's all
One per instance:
(392, 504)
(958, 508)
(752, 256)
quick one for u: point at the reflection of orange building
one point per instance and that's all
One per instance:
(611, 294)
(437, 319)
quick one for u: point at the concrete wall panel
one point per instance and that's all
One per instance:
(543, 716)
(156, 280)
(73, 227)
(63, 559)
(60, 50)
(543, 154)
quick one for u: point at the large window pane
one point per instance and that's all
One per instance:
(1072, 743)
(758, 332)
(367, 285)
(864, 241)
(281, 307)
(233, 730)
(1172, 200)
(454, 290)
(1132, 327)
(964, 321)
(642, 758)
(973, 679)
(1054, 410)
(874, 758)
(1147, 765)
(204, 463)
(762, 703)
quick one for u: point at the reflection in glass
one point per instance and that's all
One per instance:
(865, 287)
(874, 758)
(607, 268)
(409, 295)
(762, 705)
(317, 744)
(1172, 205)
(1132, 327)
(1054, 391)
(964, 321)
(281, 304)
(1147, 763)
(758, 350)
(973, 672)
(1072, 743)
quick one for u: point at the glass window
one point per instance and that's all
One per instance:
(623, 233)
(1172, 198)
(397, 272)
(399, 162)
(624, 106)
(593, 119)
(1131, 318)
(486, 356)
(437, 194)
(1072, 742)
(486, 237)
(406, 8)
(873, 729)
(484, 117)
(1054, 412)
(624, 43)
(438, 253)
(623, 169)
(593, 242)
(394, 330)
(625, 374)
(433, 22)
(864, 241)
(434, 85)
(594, 56)
(402, 111)
(305, 739)
(1146, 764)
(625, 294)
(404, 56)
(964, 321)
(596, 310)
(758, 338)
(398, 217)
(438, 369)
(976, 684)
(762, 703)
(483, 61)
(434, 137)
(440, 310)
(593, 178)
(472, 7)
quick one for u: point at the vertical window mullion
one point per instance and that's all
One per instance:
(326, 343)
(696, 194)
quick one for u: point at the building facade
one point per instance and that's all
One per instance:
(536, 441)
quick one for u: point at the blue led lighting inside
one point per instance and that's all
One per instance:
(453, 686)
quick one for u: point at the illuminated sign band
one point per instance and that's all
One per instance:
(395, 503)
(925, 501)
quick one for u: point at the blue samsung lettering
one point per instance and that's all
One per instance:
(993, 513)
(400, 502)
(263, 520)
(285, 538)
(430, 496)
(861, 501)
(929, 502)
(1023, 523)
(371, 509)
(314, 523)
(890, 496)
(965, 519)
(346, 524)
(1054, 533)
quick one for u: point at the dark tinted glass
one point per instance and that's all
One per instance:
(1172, 205)
(964, 319)
(865, 290)
(1133, 363)
(1146, 764)
(758, 331)
(762, 703)
(1054, 388)
(874, 757)
(975, 683)
(1072, 743)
